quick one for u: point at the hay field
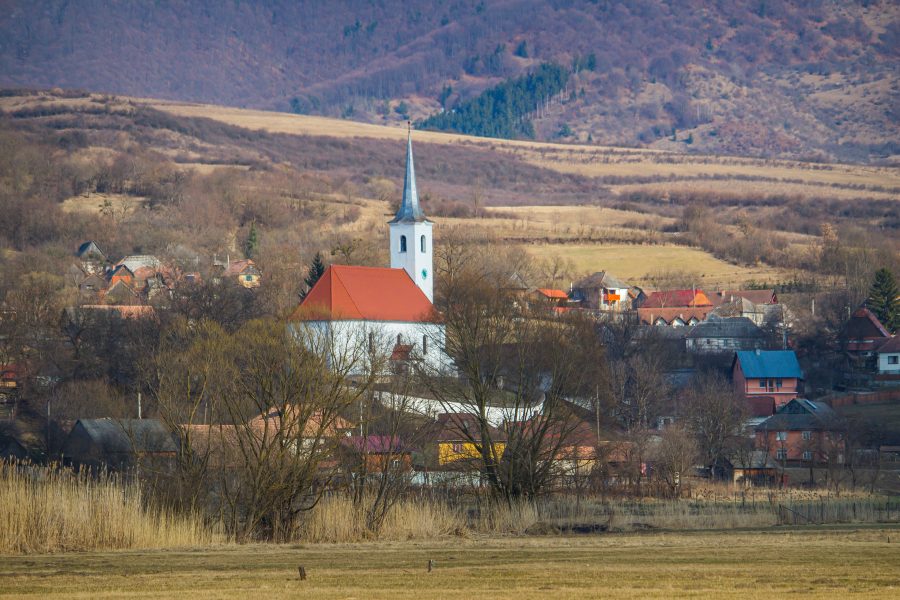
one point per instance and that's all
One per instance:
(634, 262)
(814, 562)
(594, 161)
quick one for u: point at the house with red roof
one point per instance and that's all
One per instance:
(357, 313)
(677, 299)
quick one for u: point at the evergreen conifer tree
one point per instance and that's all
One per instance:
(252, 244)
(315, 271)
(883, 300)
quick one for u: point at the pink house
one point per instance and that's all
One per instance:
(767, 373)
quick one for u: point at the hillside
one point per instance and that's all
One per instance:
(187, 180)
(794, 79)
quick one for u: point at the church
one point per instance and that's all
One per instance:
(352, 312)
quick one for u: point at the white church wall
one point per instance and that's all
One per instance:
(348, 343)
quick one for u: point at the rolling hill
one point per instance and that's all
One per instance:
(793, 79)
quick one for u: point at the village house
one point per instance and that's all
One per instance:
(457, 438)
(677, 299)
(119, 444)
(91, 257)
(802, 431)
(601, 291)
(244, 272)
(863, 334)
(363, 311)
(767, 373)
(759, 297)
(374, 454)
(718, 334)
(889, 362)
(551, 298)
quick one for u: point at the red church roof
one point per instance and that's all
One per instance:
(346, 293)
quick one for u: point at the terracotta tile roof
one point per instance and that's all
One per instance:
(676, 298)
(553, 294)
(236, 267)
(346, 293)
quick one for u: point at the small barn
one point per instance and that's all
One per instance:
(119, 444)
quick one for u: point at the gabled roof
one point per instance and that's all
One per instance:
(552, 294)
(122, 436)
(863, 324)
(409, 211)
(769, 363)
(136, 261)
(271, 422)
(601, 279)
(236, 267)
(676, 298)
(346, 293)
(891, 346)
(801, 415)
(731, 327)
(88, 249)
(121, 270)
(754, 296)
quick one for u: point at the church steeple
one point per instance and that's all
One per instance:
(409, 211)
(411, 237)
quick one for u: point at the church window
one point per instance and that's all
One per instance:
(399, 339)
(424, 344)
(402, 243)
(422, 243)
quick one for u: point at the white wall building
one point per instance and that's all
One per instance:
(356, 312)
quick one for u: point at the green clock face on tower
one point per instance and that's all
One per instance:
(424, 273)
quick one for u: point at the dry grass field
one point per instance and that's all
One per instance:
(805, 178)
(814, 562)
(636, 263)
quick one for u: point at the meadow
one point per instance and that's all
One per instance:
(815, 562)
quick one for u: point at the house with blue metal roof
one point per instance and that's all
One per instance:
(767, 373)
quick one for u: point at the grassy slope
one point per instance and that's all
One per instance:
(585, 160)
(814, 562)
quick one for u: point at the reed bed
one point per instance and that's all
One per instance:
(44, 509)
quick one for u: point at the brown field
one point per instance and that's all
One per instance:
(635, 262)
(810, 562)
(593, 161)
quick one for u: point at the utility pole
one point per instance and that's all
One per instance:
(139, 404)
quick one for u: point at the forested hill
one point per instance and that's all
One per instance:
(505, 110)
(758, 77)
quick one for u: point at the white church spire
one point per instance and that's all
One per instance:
(411, 237)
(409, 205)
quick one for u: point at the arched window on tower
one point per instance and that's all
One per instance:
(422, 243)
(402, 243)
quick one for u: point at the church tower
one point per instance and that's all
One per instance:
(411, 238)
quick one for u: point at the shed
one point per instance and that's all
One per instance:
(118, 443)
